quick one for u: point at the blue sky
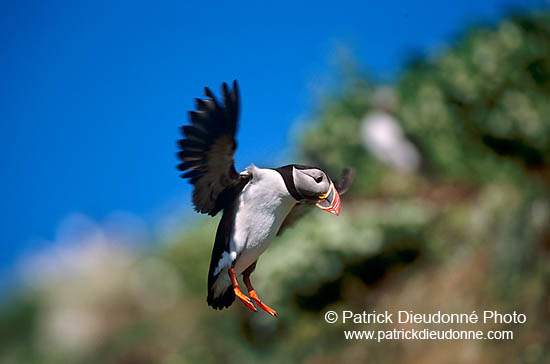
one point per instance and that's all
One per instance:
(92, 93)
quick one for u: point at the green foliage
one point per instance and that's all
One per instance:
(488, 93)
(484, 99)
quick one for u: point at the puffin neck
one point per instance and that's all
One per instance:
(286, 173)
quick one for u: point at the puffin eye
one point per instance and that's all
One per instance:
(319, 179)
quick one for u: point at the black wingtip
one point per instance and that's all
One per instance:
(235, 92)
(346, 180)
(200, 104)
(208, 93)
(225, 93)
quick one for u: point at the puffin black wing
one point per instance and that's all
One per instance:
(345, 181)
(303, 208)
(207, 149)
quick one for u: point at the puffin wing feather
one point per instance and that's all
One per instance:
(345, 181)
(207, 148)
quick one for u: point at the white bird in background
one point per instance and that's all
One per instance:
(384, 137)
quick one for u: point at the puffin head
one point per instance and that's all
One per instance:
(311, 184)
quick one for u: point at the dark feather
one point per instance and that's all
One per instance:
(190, 154)
(224, 301)
(207, 149)
(188, 144)
(194, 132)
(198, 119)
(191, 174)
(188, 164)
(345, 181)
(205, 105)
(221, 244)
(208, 93)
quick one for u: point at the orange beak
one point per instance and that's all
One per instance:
(330, 201)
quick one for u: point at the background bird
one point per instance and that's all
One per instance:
(256, 203)
(385, 138)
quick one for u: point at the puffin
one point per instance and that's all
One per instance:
(256, 204)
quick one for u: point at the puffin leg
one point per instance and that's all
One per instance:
(254, 296)
(246, 300)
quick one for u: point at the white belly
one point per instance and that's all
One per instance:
(260, 210)
(259, 214)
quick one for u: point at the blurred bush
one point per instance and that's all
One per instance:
(488, 93)
(468, 108)
(467, 231)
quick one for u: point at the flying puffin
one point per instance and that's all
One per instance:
(256, 203)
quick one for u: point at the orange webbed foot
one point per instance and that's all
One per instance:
(262, 305)
(246, 300)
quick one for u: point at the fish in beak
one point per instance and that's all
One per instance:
(330, 201)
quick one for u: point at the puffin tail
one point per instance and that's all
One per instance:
(220, 301)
